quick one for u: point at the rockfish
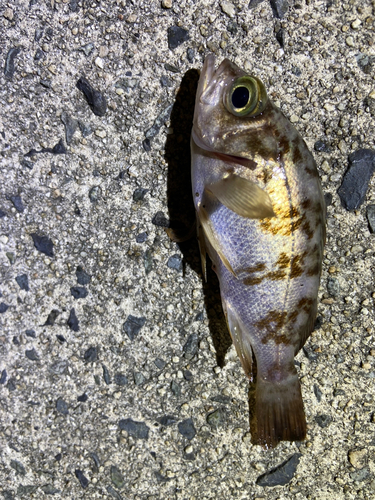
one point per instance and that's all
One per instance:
(261, 219)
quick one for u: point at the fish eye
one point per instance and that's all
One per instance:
(246, 96)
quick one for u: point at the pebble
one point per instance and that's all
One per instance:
(83, 398)
(83, 278)
(280, 475)
(333, 286)
(87, 49)
(159, 121)
(217, 418)
(3, 307)
(176, 36)
(133, 326)
(8, 14)
(73, 322)
(100, 133)
(62, 407)
(322, 146)
(254, 3)
(166, 4)
(365, 62)
(279, 8)
(94, 98)
(294, 119)
(95, 194)
(357, 249)
(141, 237)
(11, 256)
(356, 24)
(175, 262)
(81, 478)
(79, 292)
(139, 378)
(228, 9)
(349, 41)
(159, 219)
(160, 363)
(120, 379)
(148, 261)
(43, 244)
(85, 129)
(59, 367)
(323, 420)
(116, 477)
(91, 355)
(167, 420)
(187, 429)
(139, 194)
(23, 282)
(114, 493)
(50, 321)
(3, 377)
(355, 183)
(32, 354)
(2, 213)
(17, 202)
(137, 430)
(18, 467)
(358, 458)
(70, 124)
(191, 346)
(146, 145)
(175, 388)
(9, 68)
(370, 213)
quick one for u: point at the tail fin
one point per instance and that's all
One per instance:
(278, 413)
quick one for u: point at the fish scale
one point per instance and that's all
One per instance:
(261, 219)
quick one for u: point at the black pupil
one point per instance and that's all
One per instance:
(240, 97)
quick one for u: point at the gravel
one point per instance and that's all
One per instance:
(97, 389)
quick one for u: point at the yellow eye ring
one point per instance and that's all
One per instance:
(246, 96)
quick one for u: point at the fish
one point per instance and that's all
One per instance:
(261, 220)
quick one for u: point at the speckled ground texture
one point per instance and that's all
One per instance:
(117, 376)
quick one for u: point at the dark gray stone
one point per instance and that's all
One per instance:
(81, 478)
(254, 3)
(62, 407)
(187, 429)
(280, 475)
(366, 63)
(83, 278)
(322, 147)
(74, 5)
(120, 379)
(139, 194)
(176, 36)
(73, 322)
(175, 262)
(159, 122)
(3, 307)
(70, 124)
(94, 98)
(3, 377)
(78, 292)
(139, 378)
(137, 430)
(95, 194)
(318, 393)
(159, 219)
(370, 212)
(175, 388)
(191, 347)
(355, 183)
(85, 129)
(114, 493)
(17, 202)
(9, 67)
(167, 420)
(59, 367)
(91, 355)
(217, 418)
(171, 68)
(2, 214)
(23, 282)
(160, 363)
(18, 467)
(188, 375)
(43, 244)
(133, 326)
(106, 375)
(360, 475)
(117, 477)
(146, 144)
(333, 286)
(141, 237)
(26, 490)
(160, 478)
(190, 55)
(96, 460)
(220, 398)
(323, 420)
(279, 8)
(148, 260)
(52, 317)
(8, 495)
(49, 489)
(83, 398)
(58, 149)
(32, 355)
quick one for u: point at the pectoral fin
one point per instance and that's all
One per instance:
(243, 197)
(212, 238)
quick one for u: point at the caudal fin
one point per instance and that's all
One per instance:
(278, 413)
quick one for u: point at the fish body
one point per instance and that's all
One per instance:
(261, 219)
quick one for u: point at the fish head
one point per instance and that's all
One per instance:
(233, 114)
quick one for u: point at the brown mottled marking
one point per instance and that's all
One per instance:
(296, 151)
(307, 230)
(296, 269)
(283, 261)
(305, 303)
(293, 316)
(259, 266)
(314, 271)
(306, 204)
(252, 280)
(275, 275)
(276, 317)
